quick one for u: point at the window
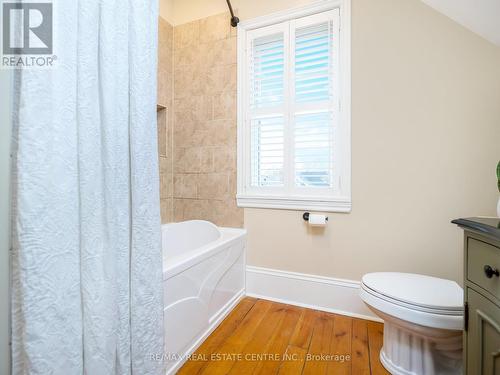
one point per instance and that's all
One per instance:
(294, 109)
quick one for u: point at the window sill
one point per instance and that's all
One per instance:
(322, 204)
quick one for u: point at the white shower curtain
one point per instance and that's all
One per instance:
(86, 259)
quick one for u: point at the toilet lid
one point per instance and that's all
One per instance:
(419, 290)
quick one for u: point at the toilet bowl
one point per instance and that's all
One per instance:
(423, 322)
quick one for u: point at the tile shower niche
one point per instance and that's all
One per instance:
(165, 163)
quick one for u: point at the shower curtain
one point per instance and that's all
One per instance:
(86, 258)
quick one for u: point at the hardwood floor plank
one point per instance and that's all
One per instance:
(360, 356)
(279, 342)
(315, 342)
(216, 339)
(234, 344)
(341, 346)
(261, 340)
(303, 332)
(320, 344)
(295, 363)
(375, 337)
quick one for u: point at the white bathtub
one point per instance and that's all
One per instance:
(203, 279)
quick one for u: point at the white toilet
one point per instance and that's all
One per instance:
(423, 322)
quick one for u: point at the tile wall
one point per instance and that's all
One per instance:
(204, 116)
(165, 118)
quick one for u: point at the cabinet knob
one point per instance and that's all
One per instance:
(490, 272)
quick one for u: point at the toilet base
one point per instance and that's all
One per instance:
(415, 350)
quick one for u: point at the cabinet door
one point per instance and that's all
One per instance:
(483, 336)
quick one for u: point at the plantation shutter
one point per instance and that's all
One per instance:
(291, 107)
(268, 53)
(314, 70)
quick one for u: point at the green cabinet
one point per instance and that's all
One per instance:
(482, 304)
(483, 335)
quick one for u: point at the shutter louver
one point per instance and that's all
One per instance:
(267, 151)
(313, 63)
(313, 138)
(267, 71)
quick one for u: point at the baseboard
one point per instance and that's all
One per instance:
(337, 296)
(217, 319)
(315, 292)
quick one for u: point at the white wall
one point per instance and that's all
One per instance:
(189, 10)
(426, 139)
(5, 130)
(426, 136)
(167, 10)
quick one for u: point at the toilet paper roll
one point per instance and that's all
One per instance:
(316, 220)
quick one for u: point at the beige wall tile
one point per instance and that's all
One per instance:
(186, 135)
(178, 214)
(165, 47)
(168, 78)
(165, 33)
(164, 186)
(161, 95)
(188, 81)
(224, 105)
(232, 185)
(166, 210)
(204, 122)
(190, 55)
(192, 109)
(207, 158)
(165, 117)
(221, 212)
(185, 186)
(165, 51)
(221, 52)
(186, 35)
(225, 159)
(196, 209)
(164, 98)
(234, 31)
(194, 135)
(226, 213)
(213, 186)
(187, 160)
(221, 78)
(170, 185)
(165, 57)
(221, 132)
(164, 165)
(215, 28)
(170, 146)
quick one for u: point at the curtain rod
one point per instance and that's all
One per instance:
(234, 19)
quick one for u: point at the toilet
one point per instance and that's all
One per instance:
(423, 322)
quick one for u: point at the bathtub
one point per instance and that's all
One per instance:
(203, 279)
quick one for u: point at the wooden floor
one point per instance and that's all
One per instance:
(263, 337)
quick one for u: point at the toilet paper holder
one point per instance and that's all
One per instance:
(305, 216)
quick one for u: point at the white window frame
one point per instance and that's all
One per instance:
(340, 201)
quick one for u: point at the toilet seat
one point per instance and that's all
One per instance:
(419, 299)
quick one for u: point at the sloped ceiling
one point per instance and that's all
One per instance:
(479, 16)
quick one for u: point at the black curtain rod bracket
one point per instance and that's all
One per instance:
(234, 19)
